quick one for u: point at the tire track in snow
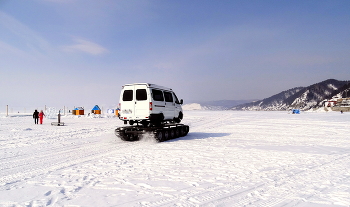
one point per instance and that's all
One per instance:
(271, 183)
(11, 161)
(53, 160)
(236, 196)
(207, 123)
(283, 190)
(24, 159)
(279, 194)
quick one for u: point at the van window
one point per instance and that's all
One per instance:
(168, 97)
(141, 95)
(157, 95)
(127, 95)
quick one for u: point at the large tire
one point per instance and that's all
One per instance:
(121, 135)
(186, 130)
(124, 138)
(116, 132)
(179, 118)
(159, 136)
(133, 137)
(171, 134)
(182, 131)
(165, 135)
(177, 132)
(181, 115)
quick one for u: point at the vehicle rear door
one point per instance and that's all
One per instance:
(142, 104)
(127, 104)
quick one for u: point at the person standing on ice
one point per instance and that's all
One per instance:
(41, 116)
(36, 116)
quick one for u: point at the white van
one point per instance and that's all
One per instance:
(149, 104)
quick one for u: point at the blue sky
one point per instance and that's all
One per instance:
(80, 52)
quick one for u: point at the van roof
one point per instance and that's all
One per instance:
(150, 85)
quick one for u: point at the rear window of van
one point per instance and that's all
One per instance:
(127, 95)
(141, 94)
(157, 95)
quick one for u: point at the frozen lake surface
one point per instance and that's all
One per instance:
(229, 158)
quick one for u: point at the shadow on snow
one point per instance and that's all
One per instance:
(199, 135)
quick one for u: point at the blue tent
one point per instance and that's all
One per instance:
(96, 108)
(296, 111)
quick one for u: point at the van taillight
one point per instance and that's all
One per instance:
(150, 106)
(119, 106)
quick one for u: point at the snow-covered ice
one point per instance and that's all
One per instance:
(229, 158)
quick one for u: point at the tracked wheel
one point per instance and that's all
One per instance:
(160, 133)
(166, 135)
(121, 134)
(133, 137)
(181, 131)
(159, 136)
(177, 132)
(171, 134)
(186, 130)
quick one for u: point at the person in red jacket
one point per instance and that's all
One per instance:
(41, 116)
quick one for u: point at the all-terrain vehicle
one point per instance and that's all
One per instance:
(152, 109)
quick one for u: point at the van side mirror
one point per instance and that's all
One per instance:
(181, 101)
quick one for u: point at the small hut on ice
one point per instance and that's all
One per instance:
(295, 111)
(78, 111)
(96, 110)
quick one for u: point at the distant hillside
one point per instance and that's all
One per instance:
(342, 92)
(192, 106)
(222, 104)
(275, 102)
(214, 105)
(303, 98)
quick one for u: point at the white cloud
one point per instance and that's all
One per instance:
(27, 38)
(85, 46)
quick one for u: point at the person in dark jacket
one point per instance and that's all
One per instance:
(36, 116)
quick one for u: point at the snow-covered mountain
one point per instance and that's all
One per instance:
(303, 98)
(275, 102)
(342, 92)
